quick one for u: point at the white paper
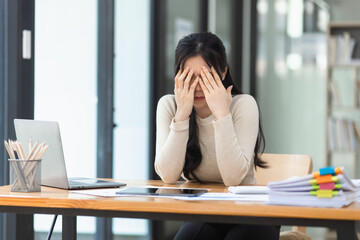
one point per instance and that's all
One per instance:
(112, 192)
(227, 197)
(356, 182)
(305, 199)
(104, 192)
(249, 189)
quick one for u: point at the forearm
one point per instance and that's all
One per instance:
(234, 151)
(170, 153)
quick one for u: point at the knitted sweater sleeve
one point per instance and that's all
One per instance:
(235, 138)
(171, 141)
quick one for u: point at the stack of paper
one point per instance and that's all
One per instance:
(329, 187)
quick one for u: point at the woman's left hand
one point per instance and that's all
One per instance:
(217, 97)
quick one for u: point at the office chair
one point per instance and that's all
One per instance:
(281, 167)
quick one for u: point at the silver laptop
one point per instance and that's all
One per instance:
(53, 170)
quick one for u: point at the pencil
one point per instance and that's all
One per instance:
(33, 150)
(9, 150)
(43, 150)
(30, 146)
(37, 151)
(22, 150)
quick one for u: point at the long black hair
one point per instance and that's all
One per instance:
(212, 50)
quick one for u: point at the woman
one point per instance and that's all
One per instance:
(208, 131)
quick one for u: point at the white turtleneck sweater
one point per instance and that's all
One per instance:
(227, 145)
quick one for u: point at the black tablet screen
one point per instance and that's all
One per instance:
(162, 191)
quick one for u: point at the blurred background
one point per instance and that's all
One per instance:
(277, 50)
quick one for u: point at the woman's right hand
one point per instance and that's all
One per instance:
(184, 94)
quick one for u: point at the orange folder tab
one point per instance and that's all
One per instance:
(324, 179)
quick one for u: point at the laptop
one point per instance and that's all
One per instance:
(53, 170)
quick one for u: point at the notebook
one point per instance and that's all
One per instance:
(53, 169)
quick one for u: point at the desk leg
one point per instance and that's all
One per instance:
(18, 226)
(25, 222)
(69, 227)
(346, 231)
(103, 228)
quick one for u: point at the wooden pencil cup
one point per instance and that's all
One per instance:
(25, 175)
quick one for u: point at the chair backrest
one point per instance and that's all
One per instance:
(282, 166)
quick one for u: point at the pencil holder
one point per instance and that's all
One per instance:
(25, 175)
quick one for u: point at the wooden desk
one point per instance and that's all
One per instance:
(70, 205)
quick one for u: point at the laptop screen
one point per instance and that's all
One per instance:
(53, 170)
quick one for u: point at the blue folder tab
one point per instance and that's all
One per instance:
(327, 170)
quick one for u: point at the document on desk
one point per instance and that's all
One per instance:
(112, 192)
(249, 189)
(103, 192)
(211, 196)
(143, 191)
(357, 183)
(328, 187)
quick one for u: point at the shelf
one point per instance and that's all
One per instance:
(344, 25)
(344, 109)
(343, 93)
(344, 151)
(348, 65)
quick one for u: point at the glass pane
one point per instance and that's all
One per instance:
(222, 23)
(182, 19)
(65, 85)
(291, 76)
(132, 39)
(291, 71)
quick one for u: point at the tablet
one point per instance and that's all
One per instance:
(146, 191)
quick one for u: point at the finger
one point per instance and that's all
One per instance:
(216, 76)
(228, 90)
(176, 79)
(203, 87)
(209, 77)
(188, 79)
(206, 82)
(182, 77)
(193, 85)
